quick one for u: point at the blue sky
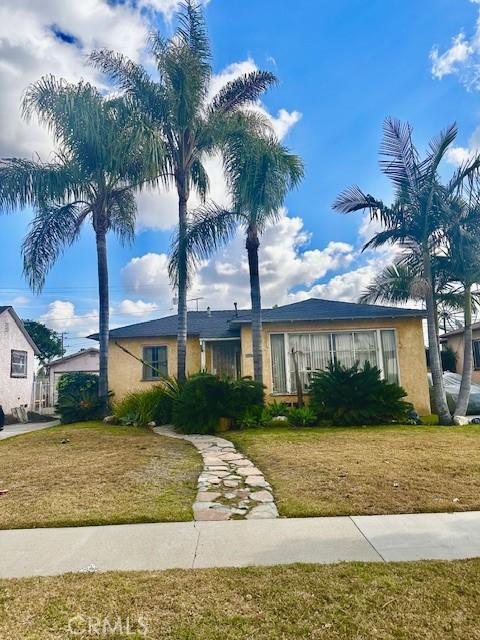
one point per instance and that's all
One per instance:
(343, 66)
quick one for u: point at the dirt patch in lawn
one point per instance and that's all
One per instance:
(89, 474)
(324, 472)
(422, 600)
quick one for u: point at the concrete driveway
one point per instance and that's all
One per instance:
(18, 429)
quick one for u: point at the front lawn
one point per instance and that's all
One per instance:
(99, 475)
(348, 471)
(421, 600)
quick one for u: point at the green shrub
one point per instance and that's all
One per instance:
(202, 401)
(243, 394)
(141, 407)
(354, 396)
(78, 397)
(276, 409)
(204, 398)
(302, 417)
(253, 418)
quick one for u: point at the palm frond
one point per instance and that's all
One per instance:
(199, 178)
(122, 214)
(209, 228)
(243, 90)
(354, 199)
(398, 155)
(393, 285)
(192, 29)
(53, 228)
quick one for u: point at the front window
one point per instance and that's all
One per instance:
(155, 365)
(314, 351)
(18, 364)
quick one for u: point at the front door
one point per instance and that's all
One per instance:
(226, 359)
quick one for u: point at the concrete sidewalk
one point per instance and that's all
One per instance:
(37, 552)
(19, 429)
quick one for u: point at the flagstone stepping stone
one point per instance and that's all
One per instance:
(257, 481)
(249, 471)
(263, 512)
(207, 496)
(227, 475)
(261, 496)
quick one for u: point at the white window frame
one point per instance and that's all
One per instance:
(17, 352)
(330, 333)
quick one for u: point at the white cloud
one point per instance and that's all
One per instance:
(135, 307)
(462, 58)
(450, 61)
(33, 43)
(61, 315)
(20, 301)
(286, 263)
(459, 155)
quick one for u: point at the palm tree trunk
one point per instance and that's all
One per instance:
(439, 395)
(182, 281)
(252, 244)
(464, 394)
(103, 298)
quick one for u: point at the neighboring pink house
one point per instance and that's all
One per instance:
(85, 360)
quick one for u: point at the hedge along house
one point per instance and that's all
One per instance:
(313, 331)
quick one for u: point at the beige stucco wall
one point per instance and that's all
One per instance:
(125, 373)
(456, 344)
(410, 345)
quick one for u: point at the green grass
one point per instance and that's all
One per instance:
(102, 475)
(374, 470)
(355, 601)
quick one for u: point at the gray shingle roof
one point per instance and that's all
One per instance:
(318, 309)
(225, 324)
(200, 323)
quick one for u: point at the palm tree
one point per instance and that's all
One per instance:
(101, 157)
(191, 126)
(414, 219)
(460, 263)
(260, 172)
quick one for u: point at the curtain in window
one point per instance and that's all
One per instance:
(321, 355)
(343, 349)
(389, 347)
(366, 347)
(277, 345)
(300, 348)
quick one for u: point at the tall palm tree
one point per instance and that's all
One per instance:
(414, 219)
(459, 261)
(191, 125)
(260, 171)
(101, 158)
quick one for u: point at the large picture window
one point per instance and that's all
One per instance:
(155, 363)
(314, 351)
(18, 364)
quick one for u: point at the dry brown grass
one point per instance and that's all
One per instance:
(345, 471)
(416, 601)
(103, 475)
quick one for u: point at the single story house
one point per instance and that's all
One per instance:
(316, 330)
(454, 341)
(85, 361)
(17, 362)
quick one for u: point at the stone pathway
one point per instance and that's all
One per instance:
(230, 486)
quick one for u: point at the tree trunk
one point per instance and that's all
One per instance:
(464, 394)
(252, 244)
(103, 298)
(182, 280)
(439, 396)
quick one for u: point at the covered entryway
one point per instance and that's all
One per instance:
(222, 357)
